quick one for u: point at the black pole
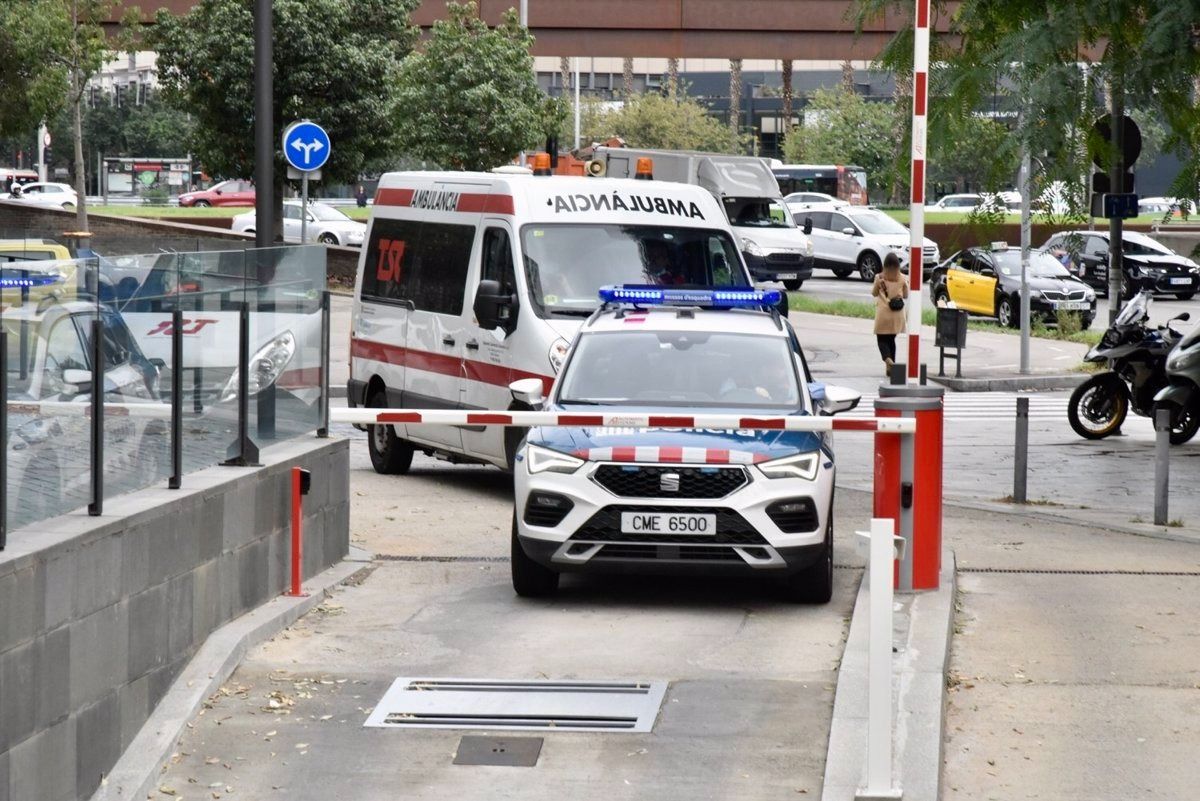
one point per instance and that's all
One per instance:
(243, 452)
(264, 132)
(1116, 179)
(96, 507)
(176, 479)
(323, 431)
(4, 439)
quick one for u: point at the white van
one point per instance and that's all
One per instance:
(470, 281)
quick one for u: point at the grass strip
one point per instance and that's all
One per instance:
(866, 311)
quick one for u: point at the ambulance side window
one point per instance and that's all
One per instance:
(438, 276)
(389, 260)
(498, 259)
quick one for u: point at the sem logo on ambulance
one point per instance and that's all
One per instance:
(391, 254)
(614, 202)
(435, 200)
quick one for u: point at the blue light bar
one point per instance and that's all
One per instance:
(21, 283)
(709, 297)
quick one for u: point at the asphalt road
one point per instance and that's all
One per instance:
(824, 286)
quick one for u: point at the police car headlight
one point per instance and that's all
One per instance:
(751, 247)
(802, 465)
(558, 354)
(541, 460)
(266, 365)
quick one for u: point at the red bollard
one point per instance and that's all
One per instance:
(301, 480)
(913, 501)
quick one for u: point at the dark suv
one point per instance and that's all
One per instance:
(1147, 264)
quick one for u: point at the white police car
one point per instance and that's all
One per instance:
(678, 500)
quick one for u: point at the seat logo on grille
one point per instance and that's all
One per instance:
(668, 482)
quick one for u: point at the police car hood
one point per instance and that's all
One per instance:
(686, 445)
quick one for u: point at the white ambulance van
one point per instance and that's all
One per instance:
(470, 281)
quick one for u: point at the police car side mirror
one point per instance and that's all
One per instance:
(78, 378)
(838, 399)
(528, 391)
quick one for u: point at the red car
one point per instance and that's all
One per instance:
(226, 193)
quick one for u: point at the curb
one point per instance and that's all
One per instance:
(919, 695)
(1011, 383)
(1032, 513)
(137, 771)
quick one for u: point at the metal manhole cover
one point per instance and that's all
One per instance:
(512, 752)
(499, 704)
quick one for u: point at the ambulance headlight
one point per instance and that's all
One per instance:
(801, 465)
(541, 460)
(751, 247)
(266, 365)
(558, 354)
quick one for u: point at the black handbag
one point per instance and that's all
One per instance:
(896, 303)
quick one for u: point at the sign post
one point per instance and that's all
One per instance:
(306, 148)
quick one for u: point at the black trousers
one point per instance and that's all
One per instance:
(887, 346)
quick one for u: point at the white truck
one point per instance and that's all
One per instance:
(774, 248)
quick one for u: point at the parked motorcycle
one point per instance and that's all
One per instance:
(1136, 355)
(1181, 397)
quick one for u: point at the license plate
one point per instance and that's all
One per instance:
(1071, 305)
(667, 523)
(1180, 281)
(785, 276)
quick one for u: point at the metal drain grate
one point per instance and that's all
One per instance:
(498, 704)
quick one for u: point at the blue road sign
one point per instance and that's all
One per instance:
(306, 146)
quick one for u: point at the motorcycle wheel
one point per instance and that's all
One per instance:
(1186, 424)
(1098, 407)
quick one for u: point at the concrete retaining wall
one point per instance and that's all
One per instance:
(99, 614)
(114, 235)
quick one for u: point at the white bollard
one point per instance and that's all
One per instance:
(886, 548)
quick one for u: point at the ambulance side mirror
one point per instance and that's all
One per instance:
(528, 391)
(494, 309)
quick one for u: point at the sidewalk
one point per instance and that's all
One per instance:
(845, 347)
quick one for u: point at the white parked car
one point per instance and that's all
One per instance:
(41, 193)
(957, 203)
(806, 200)
(857, 238)
(326, 225)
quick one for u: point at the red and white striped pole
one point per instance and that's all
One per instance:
(916, 221)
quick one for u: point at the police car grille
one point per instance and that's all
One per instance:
(732, 528)
(629, 481)
(794, 516)
(784, 257)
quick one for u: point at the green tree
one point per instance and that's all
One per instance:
(655, 121)
(470, 101)
(336, 62)
(33, 87)
(973, 150)
(841, 127)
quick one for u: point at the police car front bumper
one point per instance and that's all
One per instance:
(573, 523)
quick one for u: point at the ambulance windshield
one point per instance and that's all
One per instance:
(567, 264)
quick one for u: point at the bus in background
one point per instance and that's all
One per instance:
(842, 181)
(10, 176)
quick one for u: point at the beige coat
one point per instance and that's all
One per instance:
(886, 320)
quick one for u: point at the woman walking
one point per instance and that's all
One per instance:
(890, 291)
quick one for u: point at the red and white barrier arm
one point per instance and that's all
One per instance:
(154, 411)
(451, 417)
(916, 222)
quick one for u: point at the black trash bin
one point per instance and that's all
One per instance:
(951, 333)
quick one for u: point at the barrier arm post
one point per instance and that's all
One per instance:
(883, 549)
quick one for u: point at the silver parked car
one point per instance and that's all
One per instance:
(326, 225)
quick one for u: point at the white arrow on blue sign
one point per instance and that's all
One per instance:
(306, 146)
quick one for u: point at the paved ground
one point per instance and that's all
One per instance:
(746, 716)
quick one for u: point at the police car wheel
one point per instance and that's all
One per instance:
(814, 584)
(390, 454)
(529, 579)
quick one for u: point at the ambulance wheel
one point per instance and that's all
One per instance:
(793, 286)
(389, 454)
(529, 579)
(814, 584)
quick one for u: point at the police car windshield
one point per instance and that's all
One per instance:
(567, 264)
(682, 368)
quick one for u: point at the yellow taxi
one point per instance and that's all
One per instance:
(987, 281)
